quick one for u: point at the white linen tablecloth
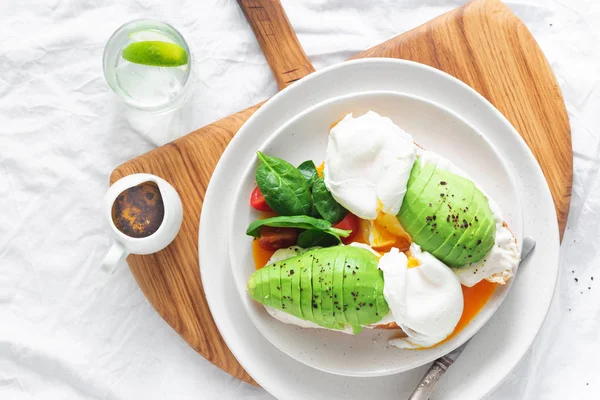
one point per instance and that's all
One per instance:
(69, 331)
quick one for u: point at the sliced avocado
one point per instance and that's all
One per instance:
(468, 230)
(259, 286)
(316, 291)
(381, 305)
(296, 296)
(259, 293)
(449, 217)
(483, 234)
(338, 292)
(450, 226)
(349, 305)
(305, 264)
(415, 171)
(286, 287)
(412, 190)
(489, 237)
(362, 287)
(327, 299)
(479, 244)
(468, 249)
(288, 303)
(266, 285)
(368, 287)
(255, 286)
(325, 278)
(425, 207)
(418, 179)
(275, 285)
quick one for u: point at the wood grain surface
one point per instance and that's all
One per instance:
(277, 40)
(481, 43)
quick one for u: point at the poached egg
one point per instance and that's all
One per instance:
(426, 301)
(368, 163)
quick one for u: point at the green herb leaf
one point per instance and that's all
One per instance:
(314, 237)
(284, 187)
(297, 221)
(324, 202)
(313, 211)
(309, 171)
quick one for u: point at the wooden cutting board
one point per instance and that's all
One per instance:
(482, 43)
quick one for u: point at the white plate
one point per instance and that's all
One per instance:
(500, 344)
(305, 137)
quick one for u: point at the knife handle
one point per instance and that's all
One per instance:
(431, 378)
(277, 39)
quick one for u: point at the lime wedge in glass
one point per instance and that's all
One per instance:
(156, 53)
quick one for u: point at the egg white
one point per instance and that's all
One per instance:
(426, 300)
(368, 164)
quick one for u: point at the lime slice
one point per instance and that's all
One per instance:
(156, 53)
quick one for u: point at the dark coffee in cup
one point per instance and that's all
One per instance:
(138, 211)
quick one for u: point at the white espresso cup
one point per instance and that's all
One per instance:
(123, 244)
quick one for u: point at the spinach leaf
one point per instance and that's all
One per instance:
(283, 186)
(297, 221)
(309, 171)
(314, 212)
(313, 237)
(324, 202)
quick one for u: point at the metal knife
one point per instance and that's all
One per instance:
(441, 365)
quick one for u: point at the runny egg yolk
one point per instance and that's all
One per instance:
(320, 169)
(413, 262)
(335, 123)
(386, 232)
(261, 256)
(475, 298)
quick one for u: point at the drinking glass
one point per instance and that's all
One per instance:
(147, 87)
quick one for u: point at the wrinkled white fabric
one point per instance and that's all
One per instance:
(68, 331)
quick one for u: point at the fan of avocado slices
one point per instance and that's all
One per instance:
(332, 287)
(447, 215)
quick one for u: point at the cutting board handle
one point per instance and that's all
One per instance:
(277, 40)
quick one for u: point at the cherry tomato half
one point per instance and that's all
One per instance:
(351, 223)
(277, 238)
(257, 201)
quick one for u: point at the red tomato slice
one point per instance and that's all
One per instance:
(351, 223)
(277, 238)
(258, 202)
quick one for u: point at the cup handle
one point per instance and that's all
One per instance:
(113, 257)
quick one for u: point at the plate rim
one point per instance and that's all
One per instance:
(235, 260)
(534, 177)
